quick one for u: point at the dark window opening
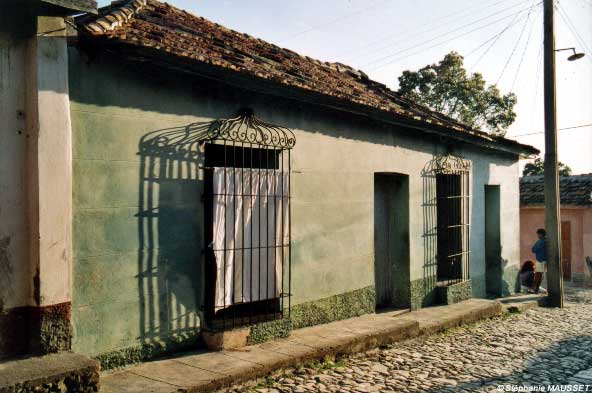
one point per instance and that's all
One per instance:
(232, 156)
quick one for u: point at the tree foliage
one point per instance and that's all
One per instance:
(537, 167)
(447, 88)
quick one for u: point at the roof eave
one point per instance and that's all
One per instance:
(71, 7)
(255, 84)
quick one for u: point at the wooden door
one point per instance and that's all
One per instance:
(566, 249)
(391, 240)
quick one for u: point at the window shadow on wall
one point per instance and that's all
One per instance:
(170, 233)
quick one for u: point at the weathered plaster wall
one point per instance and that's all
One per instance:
(50, 163)
(15, 271)
(35, 183)
(138, 226)
(14, 267)
(503, 171)
(532, 218)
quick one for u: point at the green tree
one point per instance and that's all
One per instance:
(537, 167)
(447, 88)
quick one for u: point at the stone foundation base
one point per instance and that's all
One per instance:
(228, 339)
(35, 330)
(64, 372)
(454, 293)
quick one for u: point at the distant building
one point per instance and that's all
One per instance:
(576, 222)
(163, 175)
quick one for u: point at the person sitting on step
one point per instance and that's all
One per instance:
(527, 274)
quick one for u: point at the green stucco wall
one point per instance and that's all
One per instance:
(138, 233)
(138, 219)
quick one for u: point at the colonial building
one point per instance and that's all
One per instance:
(576, 223)
(190, 178)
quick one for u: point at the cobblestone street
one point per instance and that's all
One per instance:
(540, 346)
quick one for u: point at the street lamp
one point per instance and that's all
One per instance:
(575, 56)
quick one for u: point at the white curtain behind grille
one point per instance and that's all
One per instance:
(250, 219)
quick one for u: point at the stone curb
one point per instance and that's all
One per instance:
(202, 372)
(521, 303)
(522, 306)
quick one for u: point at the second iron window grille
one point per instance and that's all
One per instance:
(452, 192)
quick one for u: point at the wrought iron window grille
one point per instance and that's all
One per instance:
(247, 221)
(447, 219)
(248, 263)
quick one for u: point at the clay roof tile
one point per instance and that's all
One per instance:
(153, 24)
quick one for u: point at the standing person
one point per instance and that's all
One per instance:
(540, 251)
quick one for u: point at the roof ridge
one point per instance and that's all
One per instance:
(122, 11)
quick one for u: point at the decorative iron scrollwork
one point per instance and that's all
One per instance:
(449, 163)
(246, 128)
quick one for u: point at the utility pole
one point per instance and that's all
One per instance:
(552, 213)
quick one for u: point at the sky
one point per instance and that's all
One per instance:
(502, 39)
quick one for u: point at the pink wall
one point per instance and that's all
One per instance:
(532, 218)
(587, 232)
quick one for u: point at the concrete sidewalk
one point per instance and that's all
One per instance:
(205, 371)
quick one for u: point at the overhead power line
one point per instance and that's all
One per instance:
(573, 29)
(514, 48)
(333, 21)
(537, 79)
(446, 34)
(586, 2)
(534, 23)
(565, 16)
(439, 43)
(493, 40)
(402, 38)
(559, 129)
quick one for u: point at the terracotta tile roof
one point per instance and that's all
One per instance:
(153, 25)
(573, 190)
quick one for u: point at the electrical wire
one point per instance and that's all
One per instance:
(514, 48)
(586, 2)
(559, 129)
(331, 22)
(391, 55)
(572, 28)
(523, 52)
(493, 37)
(496, 38)
(564, 15)
(417, 33)
(537, 78)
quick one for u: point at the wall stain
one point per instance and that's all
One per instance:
(37, 288)
(6, 271)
